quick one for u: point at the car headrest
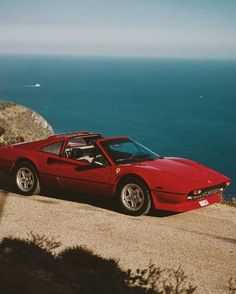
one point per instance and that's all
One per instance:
(76, 153)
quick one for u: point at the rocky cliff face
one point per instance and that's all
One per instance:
(19, 124)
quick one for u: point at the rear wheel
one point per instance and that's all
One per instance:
(26, 179)
(133, 196)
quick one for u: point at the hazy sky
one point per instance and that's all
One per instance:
(162, 28)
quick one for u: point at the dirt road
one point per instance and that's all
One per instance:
(202, 241)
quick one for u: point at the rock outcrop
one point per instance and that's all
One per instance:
(19, 123)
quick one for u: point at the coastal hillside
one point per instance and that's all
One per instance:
(19, 123)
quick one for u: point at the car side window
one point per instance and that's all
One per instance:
(53, 148)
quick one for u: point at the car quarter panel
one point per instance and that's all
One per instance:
(6, 159)
(10, 155)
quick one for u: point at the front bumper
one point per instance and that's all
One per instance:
(179, 202)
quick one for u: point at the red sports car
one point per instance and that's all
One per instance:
(120, 167)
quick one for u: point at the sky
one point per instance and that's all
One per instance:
(146, 28)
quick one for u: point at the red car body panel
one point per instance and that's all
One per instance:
(169, 180)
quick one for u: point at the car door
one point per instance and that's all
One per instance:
(77, 176)
(57, 168)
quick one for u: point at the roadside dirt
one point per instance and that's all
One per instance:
(202, 241)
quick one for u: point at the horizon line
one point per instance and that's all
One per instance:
(115, 56)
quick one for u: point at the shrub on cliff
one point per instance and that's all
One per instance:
(230, 202)
(29, 266)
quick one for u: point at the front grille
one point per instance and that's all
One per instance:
(211, 192)
(207, 191)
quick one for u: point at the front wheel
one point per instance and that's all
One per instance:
(26, 179)
(134, 198)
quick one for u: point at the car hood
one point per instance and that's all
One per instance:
(189, 172)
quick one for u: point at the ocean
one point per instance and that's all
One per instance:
(184, 108)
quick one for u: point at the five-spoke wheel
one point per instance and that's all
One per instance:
(134, 197)
(26, 179)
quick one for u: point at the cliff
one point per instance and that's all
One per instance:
(19, 123)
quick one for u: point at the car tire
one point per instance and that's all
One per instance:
(134, 197)
(26, 179)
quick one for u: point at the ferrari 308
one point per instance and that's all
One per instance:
(136, 177)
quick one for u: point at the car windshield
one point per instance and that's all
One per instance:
(128, 151)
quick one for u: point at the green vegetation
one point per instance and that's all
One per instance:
(230, 202)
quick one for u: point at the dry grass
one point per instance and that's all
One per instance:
(230, 202)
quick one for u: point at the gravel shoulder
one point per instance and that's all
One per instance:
(202, 241)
